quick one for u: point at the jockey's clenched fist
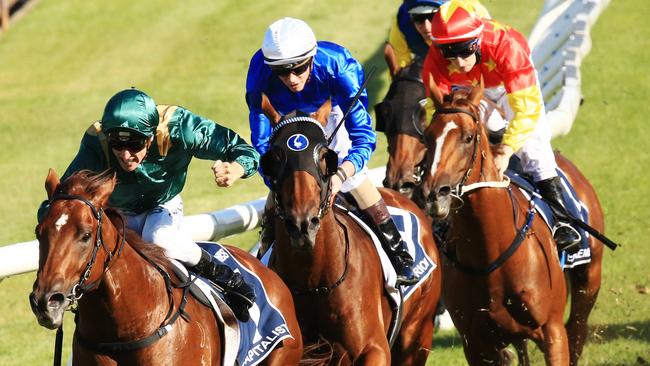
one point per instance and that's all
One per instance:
(225, 173)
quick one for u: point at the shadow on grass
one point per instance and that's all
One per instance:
(603, 333)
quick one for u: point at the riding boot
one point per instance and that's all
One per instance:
(267, 231)
(237, 293)
(392, 243)
(566, 237)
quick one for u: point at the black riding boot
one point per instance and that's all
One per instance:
(566, 237)
(392, 243)
(237, 293)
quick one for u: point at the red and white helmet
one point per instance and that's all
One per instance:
(453, 24)
(288, 41)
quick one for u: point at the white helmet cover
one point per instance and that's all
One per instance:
(287, 42)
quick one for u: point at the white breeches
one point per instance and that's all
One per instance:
(341, 144)
(537, 158)
(162, 226)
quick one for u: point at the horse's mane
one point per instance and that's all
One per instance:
(87, 184)
(152, 251)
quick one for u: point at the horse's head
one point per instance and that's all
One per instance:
(69, 237)
(456, 148)
(299, 166)
(402, 117)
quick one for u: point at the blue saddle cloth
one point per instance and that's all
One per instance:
(575, 207)
(266, 327)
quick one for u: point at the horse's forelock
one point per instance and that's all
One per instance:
(85, 183)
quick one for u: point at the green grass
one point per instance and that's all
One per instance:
(61, 63)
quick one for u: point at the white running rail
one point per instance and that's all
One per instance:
(559, 41)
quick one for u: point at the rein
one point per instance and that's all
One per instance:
(79, 289)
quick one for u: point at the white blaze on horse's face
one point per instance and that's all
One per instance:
(439, 142)
(61, 221)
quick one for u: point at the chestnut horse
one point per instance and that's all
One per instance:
(503, 281)
(130, 306)
(331, 264)
(402, 117)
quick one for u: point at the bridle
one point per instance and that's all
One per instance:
(460, 188)
(81, 287)
(98, 213)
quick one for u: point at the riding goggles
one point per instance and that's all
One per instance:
(297, 70)
(421, 18)
(120, 141)
(459, 49)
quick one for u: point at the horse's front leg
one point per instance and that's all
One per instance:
(555, 344)
(375, 353)
(585, 284)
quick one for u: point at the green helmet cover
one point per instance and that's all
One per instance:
(131, 110)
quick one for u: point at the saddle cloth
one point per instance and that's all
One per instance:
(246, 343)
(409, 227)
(575, 207)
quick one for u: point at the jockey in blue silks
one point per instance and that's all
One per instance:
(295, 72)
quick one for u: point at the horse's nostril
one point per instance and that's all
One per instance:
(55, 300)
(407, 186)
(444, 191)
(315, 221)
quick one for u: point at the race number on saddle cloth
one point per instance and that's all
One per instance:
(246, 343)
(573, 205)
(409, 227)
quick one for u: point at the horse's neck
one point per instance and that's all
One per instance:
(130, 300)
(486, 212)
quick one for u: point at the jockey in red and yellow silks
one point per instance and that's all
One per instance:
(468, 48)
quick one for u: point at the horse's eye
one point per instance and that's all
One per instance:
(469, 139)
(86, 236)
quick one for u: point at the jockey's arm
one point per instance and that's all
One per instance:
(401, 53)
(391, 60)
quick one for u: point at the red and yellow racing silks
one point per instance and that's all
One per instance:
(504, 60)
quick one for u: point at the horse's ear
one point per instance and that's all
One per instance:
(436, 94)
(323, 112)
(51, 182)
(269, 111)
(476, 94)
(106, 188)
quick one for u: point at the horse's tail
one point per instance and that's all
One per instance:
(320, 352)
